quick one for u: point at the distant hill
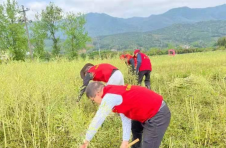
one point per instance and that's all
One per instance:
(201, 34)
(103, 24)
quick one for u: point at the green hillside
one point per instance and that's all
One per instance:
(202, 34)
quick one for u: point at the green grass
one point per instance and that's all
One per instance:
(38, 107)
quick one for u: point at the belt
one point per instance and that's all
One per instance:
(162, 105)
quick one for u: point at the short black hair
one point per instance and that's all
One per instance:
(92, 88)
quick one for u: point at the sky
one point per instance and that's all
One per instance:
(117, 8)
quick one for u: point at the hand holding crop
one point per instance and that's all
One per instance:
(125, 144)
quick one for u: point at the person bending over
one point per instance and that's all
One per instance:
(132, 103)
(102, 72)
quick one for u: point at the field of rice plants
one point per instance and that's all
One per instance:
(38, 107)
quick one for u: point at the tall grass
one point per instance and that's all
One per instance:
(38, 103)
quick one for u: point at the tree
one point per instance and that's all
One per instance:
(2, 28)
(51, 17)
(221, 41)
(12, 32)
(73, 27)
(38, 36)
(170, 46)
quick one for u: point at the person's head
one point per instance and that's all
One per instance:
(136, 52)
(122, 57)
(94, 91)
(85, 70)
(128, 56)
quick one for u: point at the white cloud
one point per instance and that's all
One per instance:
(35, 7)
(130, 8)
(118, 8)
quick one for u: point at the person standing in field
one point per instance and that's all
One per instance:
(103, 72)
(132, 103)
(143, 68)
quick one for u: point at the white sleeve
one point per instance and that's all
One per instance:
(106, 106)
(126, 126)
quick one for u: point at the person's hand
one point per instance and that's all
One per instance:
(85, 144)
(124, 144)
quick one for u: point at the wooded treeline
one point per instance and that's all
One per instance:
(14, 41)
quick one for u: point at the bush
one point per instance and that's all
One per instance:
(83, 56)
(221, 41)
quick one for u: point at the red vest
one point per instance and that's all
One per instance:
(139, 103)
(101, 72)
(146, 63)
(131, 57)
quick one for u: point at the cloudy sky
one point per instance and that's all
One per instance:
(118, 8)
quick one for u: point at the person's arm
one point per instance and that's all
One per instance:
(107, 104)
(126, 126)
(131, 61)
(86, 80)
(139, 61)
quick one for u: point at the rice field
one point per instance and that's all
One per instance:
(38, 107)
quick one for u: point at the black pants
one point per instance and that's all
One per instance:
(147, 74)
(153, 130)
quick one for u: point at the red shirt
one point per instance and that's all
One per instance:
(139, 103)
(145, 63)
(102, 72)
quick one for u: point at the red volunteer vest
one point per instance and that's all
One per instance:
(101, 72)
(131, 57)
(139, 103)
(146, 63)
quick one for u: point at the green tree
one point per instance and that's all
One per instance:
(73, 27)
(12, 31)
(51, 17)
(170, 46)
(38, 36)
(221, 41)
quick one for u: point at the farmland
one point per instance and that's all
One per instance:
(38, 105)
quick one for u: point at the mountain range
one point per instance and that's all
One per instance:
(103, 24)
(198, 27)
